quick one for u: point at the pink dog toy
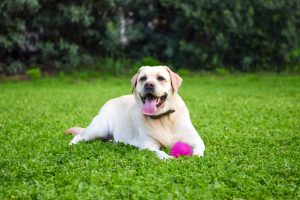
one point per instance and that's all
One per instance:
(181, 149)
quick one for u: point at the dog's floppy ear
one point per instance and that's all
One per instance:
(176, 80)
(134, 79)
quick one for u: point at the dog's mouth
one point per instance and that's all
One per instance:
(151, 103)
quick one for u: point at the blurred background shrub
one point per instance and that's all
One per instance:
(118, 36)
(34, 73)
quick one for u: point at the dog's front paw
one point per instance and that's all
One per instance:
(198, 151)
(163, 155)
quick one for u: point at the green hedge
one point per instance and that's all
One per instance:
(202, 35)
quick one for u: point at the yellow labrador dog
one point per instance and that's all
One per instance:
(154, 116)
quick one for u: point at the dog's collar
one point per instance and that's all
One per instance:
(162, 114)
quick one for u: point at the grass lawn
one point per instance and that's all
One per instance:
(249, 123)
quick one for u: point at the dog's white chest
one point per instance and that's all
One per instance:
(162, 130)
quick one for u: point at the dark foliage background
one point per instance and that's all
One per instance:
(54, 35)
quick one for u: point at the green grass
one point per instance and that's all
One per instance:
(250, 125)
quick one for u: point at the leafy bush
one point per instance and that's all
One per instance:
(184, 72)
(221, 70)
(34, 73)
(202, 35)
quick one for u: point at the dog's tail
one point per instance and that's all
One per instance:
(74, 130)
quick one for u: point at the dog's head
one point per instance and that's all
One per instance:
(154, 87)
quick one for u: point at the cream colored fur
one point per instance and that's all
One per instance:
(122, 118)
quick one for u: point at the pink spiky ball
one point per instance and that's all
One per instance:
(181, 149)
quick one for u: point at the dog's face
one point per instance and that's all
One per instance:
(154, 87)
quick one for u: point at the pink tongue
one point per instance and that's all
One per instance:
(149, 108)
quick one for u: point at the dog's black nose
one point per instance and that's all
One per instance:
(149, 85)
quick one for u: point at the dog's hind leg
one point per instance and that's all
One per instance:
(74, 130)
(99, 128)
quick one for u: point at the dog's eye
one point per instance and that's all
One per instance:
(160, 78)
(143, 78)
